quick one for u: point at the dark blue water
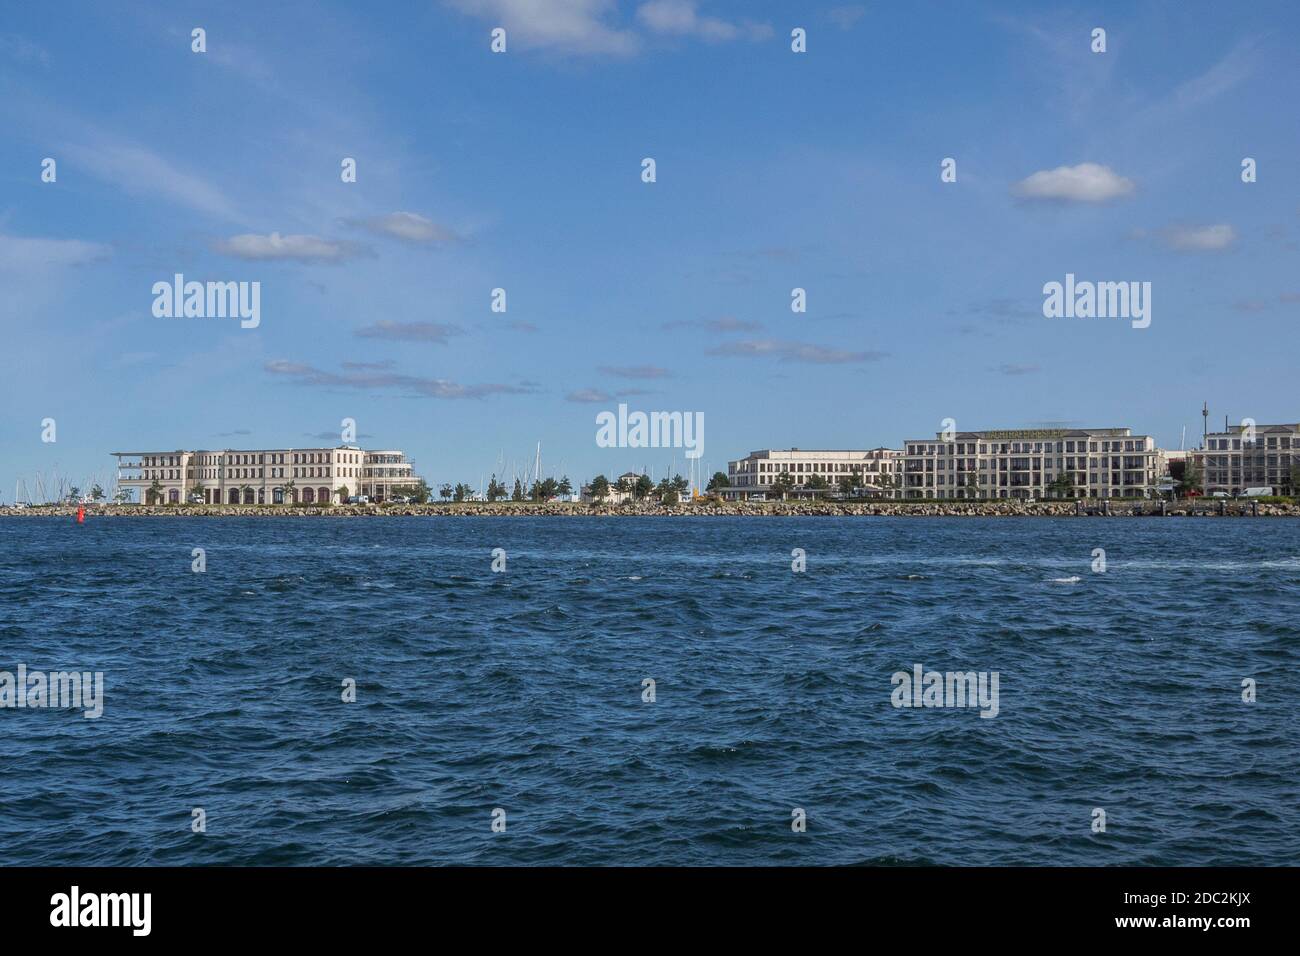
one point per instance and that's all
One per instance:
(523, 691)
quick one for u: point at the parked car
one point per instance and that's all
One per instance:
(400, 499)
(359, 500)
(1256, 493)
(195, 499)
(1220, 494)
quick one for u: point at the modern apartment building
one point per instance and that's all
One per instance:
(1234, 460)
(263, 476)
(1023, 463)
(875, 470)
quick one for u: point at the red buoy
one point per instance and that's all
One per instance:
(81, 514)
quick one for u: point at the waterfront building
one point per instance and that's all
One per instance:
(876, 471)
(1231, 461)
(263, 476)
(1023, 463)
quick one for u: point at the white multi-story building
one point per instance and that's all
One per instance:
(1023, 463)
(1231, 461)
(263, 476)
(875, 471)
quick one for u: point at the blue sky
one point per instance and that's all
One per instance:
(522, 170)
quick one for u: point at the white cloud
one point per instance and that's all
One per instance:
(276, 246)
(567, 26)
(1200, 238)
(407, 226)
(1086, 182)
(22, 255)
(682, 18)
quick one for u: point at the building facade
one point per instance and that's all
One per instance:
(1233, 460)
(875, 471)
(1024, 463)
(263, 476)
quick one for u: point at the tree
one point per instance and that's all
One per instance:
(599, 487)
(1193, 479)
(1062, 486)
(155, 492)
(342, 493)
(195, 489)
(846, 485)
(420, 492)
(462, 492)
(518, 493)
(565, 487)
(74, 493)
(816, 483)
(445, 491)
(783, 484)
(1295, 479)
(96, 493)
(718, 482)
(496, 489)
(122, 496)
(642, 487)
(289, 492)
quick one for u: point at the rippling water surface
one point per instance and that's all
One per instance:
(523, 691)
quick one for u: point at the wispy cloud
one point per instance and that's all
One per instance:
(794, 352)
(20, 255)
(435, 332)
(1086, 182)
(406, 226)
(22, 50)
(682, 18)
(1013, 369)
(142, 172)
(371, 366)
(635, 371)
(255, 246)
(727, 323)
(563, 26)
(593, 395)
(1200, 238)
(846, 15)
(302, 374)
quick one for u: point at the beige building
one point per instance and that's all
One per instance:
(263, 476)
(1023, 463)
(1231, 461)
(876, 471)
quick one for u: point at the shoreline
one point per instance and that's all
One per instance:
(506, 509)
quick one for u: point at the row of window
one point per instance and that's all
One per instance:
(1236, 444)
(1027, 447)
(268, 458)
